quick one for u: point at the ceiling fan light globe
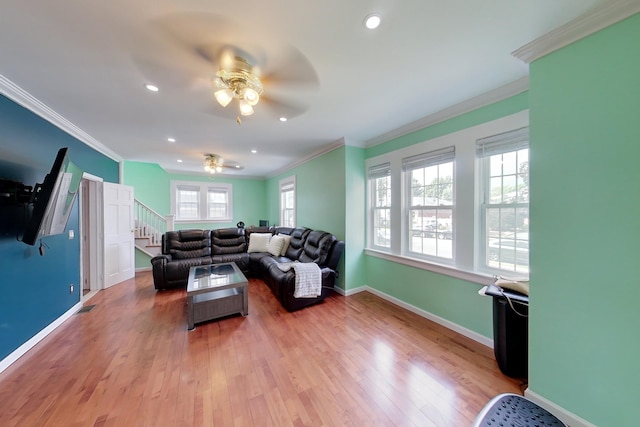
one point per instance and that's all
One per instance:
(245, 108)
(250, 95)
(224, 96)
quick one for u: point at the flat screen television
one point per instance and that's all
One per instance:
(52, 201)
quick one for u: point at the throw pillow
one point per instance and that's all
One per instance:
(259, 242)
(287, 240)
(275, 245)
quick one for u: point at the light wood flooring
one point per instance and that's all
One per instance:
(350, 361)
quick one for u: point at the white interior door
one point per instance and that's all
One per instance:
(118, 233)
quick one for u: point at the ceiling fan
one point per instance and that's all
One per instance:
(214, 163)
(236, 80)
(213, 54)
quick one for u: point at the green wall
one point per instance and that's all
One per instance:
(452, 299)
(320, 201)
(320, 196)
(149, 181)
(585, 146)
(355, 228)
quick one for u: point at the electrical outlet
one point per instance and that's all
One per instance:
(71, 288)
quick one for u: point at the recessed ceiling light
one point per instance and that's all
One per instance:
(254, 151)
(152, 88)
(372, 21)
(283, 119)
(179, 160)
(171, 139)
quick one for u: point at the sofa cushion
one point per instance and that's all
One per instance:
(178, 271)
(298, 236)
(186, 244)
(259, 242)
(287, 242)
(228, 241)
(275, 245)
(241, 259)
(316, 247)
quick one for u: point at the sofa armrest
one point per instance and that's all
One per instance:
(158, 265)
(335, 253)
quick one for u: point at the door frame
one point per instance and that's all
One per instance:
(91, 236)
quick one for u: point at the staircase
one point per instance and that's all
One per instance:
(150, 226)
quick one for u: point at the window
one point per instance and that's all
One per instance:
(380, 205)
(288, 202)
(431, 205)
(429, 202)
(217, 204)
(188, 202)
(201, 201)
(504, 168)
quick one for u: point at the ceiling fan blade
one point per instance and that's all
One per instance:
(212, 38)
(188, 30)
(232, 165)
(289, 66)
(281, 107)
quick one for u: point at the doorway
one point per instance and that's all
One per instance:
(91, 245)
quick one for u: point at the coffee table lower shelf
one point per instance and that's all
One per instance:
(215, 304)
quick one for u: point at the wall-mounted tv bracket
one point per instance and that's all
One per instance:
(14, 193)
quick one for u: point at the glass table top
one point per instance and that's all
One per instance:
(208, 277)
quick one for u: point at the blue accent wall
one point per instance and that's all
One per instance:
(34, 289)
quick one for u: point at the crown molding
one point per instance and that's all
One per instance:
(223, 175)
(514, 88)
(26, 100)
(597, 19)
(324, 150)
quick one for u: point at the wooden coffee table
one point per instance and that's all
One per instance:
(215, 291)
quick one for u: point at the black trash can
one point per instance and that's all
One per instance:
(510, 330)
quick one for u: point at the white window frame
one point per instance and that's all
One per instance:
(499, 145)
(203, 188)
(434, 158)
(377, 231)
(466, 217)
(288, 185)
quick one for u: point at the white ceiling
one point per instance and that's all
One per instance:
(88, 62)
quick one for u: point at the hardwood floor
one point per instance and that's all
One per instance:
(350, 361)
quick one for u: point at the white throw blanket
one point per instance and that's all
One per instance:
(308, 280)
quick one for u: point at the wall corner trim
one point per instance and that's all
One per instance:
(600, 17)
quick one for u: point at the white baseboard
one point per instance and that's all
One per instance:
(138, 270)
(20, 351)
(423, 313)
(567, 417)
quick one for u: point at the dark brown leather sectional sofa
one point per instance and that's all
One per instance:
(184, 249)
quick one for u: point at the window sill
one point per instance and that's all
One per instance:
(479, 278)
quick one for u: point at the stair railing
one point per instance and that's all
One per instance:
(150, 224)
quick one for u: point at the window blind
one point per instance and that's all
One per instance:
(380, 171)
(503, 142)
(431, 158)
